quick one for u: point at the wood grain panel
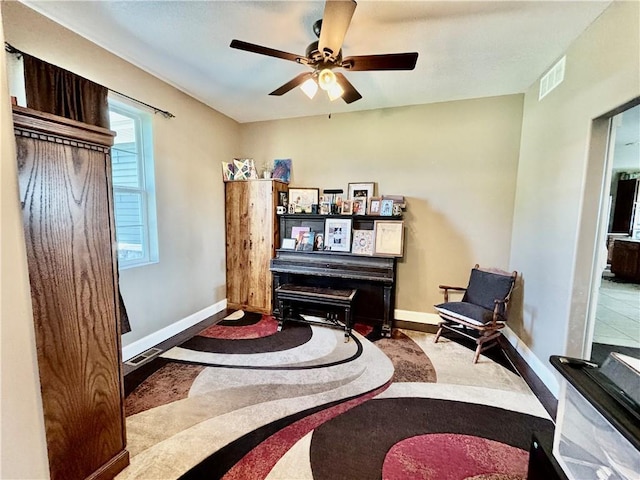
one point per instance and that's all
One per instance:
(252, 236)
(237, 242)
(65, 198)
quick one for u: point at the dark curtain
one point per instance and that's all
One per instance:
(54, 90)
(58, 91)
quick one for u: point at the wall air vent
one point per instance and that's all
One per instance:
(552, 78)
(143, 357)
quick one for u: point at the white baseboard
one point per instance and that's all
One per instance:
(151, 340)
(541, 370)
(417, 317)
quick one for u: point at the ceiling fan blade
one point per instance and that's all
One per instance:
(269, 52)
(390, 61)
(350, 94)
(291, 84)
(335, 22)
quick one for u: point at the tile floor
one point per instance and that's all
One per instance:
(618, 314)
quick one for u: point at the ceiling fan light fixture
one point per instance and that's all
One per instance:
(335, 92)
(309, 87)
(326, 79)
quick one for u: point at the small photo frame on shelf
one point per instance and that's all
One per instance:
(337, 234)
(362, 189)
(347, 207)
(325, 208)
(389, 237)
(283, 198)
(374, 206)
(359, 206)
(363, 241)
(304, 198)
(319, 242)
(289, 243)
(386, 208)
(306, 242)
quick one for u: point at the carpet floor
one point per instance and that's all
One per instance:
(243, 401)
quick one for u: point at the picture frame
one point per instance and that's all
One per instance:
(374, 206)
(389, 238)
(306, 242)
(386, 208)
(288, 244)
(337, 234)
(363, 241)
(359, 206)
(361, 189)
(319, 243)
(325, 208)
(346, 208)
(304, 198)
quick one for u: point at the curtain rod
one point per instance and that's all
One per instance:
(13, 50)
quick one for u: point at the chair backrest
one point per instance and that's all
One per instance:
(486, 287)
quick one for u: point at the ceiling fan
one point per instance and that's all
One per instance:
(325, 55)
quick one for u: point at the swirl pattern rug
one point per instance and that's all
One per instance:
(241, 400)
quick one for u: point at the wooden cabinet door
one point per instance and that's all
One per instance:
(260, 228)
(237, 242)
(66, 198)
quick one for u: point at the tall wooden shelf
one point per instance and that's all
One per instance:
(64, 176)
(252, 236)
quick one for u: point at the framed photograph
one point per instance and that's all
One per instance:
(337, 234)
(359, 206)
(347, 207)
(297, 232)
(283, 198)
(304, 198)
(319, 242)
(374, 206)
(363, 241)
(361, 190)
(325, 208)
(386, 208)
(389, 237)
(306, 242)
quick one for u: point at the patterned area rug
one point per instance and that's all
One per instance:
(243, 401)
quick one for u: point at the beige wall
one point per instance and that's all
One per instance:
(455, 162)
(188, 150)
(23, 451)
(555, 215)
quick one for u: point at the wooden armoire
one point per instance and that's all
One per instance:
(252, 237)
(65, 192)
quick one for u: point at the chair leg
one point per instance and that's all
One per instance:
(439, 333)
(478, 350)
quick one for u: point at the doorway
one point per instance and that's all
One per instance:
(616, 320)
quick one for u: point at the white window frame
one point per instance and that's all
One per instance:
(146, 190)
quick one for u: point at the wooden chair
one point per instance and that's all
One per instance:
(482, 312)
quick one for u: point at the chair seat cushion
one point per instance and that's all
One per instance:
(467, 312)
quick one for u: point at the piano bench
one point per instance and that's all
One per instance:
(291, 298)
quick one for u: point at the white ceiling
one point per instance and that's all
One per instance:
(466, 49)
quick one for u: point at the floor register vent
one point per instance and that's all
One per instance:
(144, 356)
(552, 78)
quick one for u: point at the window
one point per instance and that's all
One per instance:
(133, 186)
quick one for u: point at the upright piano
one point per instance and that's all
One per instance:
(373, 277)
